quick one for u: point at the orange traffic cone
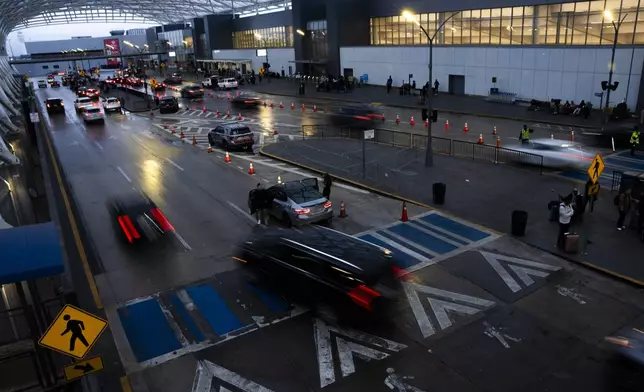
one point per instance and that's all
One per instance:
(165, 126)
(427, 123)
(275, 132)
(292, 106)
(203, 110)
(397, 119)
(194, 140)
(343, 210)
(446, 125)
(303, 108)
(209, 149)
(279, 179)
(411, 121)
(404, 217)
(272, 106)
(251, 169)
(281, 105)
(172, 131)
(264, 103)
(228, 114)
(494, 131)
(498, 142)
(239, 117)
(218, 113)
(182, 135)
(315, 108)
(480, 141)
(572, 135)
(227, 159)
(465, 128)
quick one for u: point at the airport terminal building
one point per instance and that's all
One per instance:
(534, 49)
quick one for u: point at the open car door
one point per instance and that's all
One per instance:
(311, 182)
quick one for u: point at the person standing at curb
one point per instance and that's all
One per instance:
(623, 202)
(565, 215)
(328, 181)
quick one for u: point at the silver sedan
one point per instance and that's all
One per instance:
(300, 202)
(558, 154)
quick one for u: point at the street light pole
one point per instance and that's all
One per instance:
(616, 27)
(429, 154)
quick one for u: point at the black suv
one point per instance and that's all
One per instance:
(55, 105)
(232, 136)
(192, 92)
(168, 105)
(175, 78)
(327, 267)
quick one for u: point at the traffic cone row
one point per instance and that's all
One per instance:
(411, 121)
(465, 128)
(182, 135)
(498, 142)
(397, 119)
(404, 217)
(209, 149)
(281, 105)
(480, 141)
(343, 210)
(572, 135)
(494, 131)
(227, 158)
(204, 110)
(446, 125)
(292, 106)
(239, 117)
(251, 169)
(172, 131)
(194, 140)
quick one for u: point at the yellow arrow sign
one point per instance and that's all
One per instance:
(596, 168)
(73, 332)
(83, 368)
(593, 190)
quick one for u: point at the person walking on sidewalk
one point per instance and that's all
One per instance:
(635, 140)
(328, 181)
(565, 214)
(623, 202)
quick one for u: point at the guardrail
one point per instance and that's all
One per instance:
(445, 146)
(617, 180)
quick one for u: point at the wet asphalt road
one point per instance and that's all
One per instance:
(464, 326)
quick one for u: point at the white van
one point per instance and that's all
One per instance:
(227, 83)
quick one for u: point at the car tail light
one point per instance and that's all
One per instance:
(619, 341)
(201, 90)
(362, 118)
(328, 204)
(163, 221)
(363, 296)
(128, 228)
(48, 105)
(301, 211)
(397, 271)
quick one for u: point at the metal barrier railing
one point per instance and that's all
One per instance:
(617, 180)
(445, 146)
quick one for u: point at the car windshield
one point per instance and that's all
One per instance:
(93, 110)
(112, 100)
(167, 100)
(84, 100)
(53, 101)
(302, 193)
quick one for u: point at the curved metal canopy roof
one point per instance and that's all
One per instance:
(21, 14)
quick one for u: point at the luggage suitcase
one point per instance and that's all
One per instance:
(571, 243)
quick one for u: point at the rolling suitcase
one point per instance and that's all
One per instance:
(571, 243)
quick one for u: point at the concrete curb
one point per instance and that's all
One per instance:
(626, 279)
(451, 111)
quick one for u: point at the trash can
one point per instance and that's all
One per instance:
(519, 223)
(439, 189)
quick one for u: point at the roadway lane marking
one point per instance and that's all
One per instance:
(244, 213)
(124, 175)
(183, 242)
(72, 222)
(174, 164)
(136, 138)
(98, 145)
(240, 168)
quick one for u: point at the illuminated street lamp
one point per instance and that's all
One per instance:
(409, 17)
(300, 32)
(145, 76)
(610, 86)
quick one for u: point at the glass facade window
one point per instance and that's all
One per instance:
(577, 23)
(319, 43)
(270, 37)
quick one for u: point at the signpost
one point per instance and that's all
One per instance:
(368, 134)
(74, 332)
(83, 368)
(596, 168)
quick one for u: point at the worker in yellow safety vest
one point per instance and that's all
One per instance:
(635, 140)
(524, 136)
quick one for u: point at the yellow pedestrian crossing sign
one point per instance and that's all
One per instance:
(593, 190)
(596, 168)
(73, 332)
(83, 368)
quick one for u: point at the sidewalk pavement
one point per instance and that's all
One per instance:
(480, 192)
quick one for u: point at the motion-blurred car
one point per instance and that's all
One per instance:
(558, 154)
(55, 105)
(134, 82)
(158, 87)
(232, 136)
(81, 91)
(93, 115)
(300, 202)
(42, 84)
(629, 343)
(326, 269)
(168, 104)
(138, 219)
(361, 117)
(175, 78)
(93, 94)
(192, 92)
(111, 104)
(245, 100)
(82, 103)
(55, 84)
